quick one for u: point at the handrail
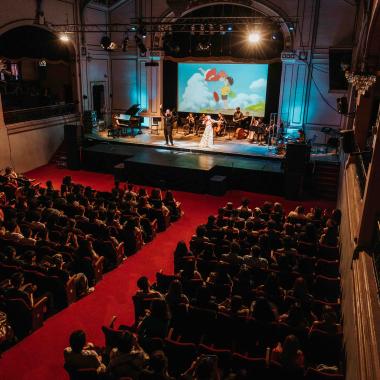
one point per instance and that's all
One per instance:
(27, 114)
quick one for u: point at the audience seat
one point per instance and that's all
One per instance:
(256, 367)
(327, 288)
(180, 355)
(328, 252)
(23, 318)
(328, 268)
(313, 374)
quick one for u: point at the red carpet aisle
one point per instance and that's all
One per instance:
(39, 357)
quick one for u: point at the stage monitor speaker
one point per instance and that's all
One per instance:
(297, 157)
(217, 185)
(348, 140)
(73, 138)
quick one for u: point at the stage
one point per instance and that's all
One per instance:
(229, 164)
(226, 145)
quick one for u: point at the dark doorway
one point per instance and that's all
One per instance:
(98, 100)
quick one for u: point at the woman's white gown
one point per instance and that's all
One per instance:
(207, 139)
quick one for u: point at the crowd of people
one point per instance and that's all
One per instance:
(55, 244)
(254, 295)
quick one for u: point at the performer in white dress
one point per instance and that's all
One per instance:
(207, 140)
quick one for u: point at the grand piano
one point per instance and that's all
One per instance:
(131, 120)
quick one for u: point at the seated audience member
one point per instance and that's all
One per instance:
(174, 297)
(254, 260)
(211, 226)
(244, 211)
(208, 253)
(289, 354)
(297, 215)
(230, 230)
(233, 257)
(181, 252)
(257, 220)
(19, 289)
(329, 237)
(197, 243)
(228, 208)
(315, 214)
(234, 307)
(328, 323)
(204, 368)
(189, 272)
(157, 368)
(173, 206)
(295, 317)
(81, 355)
(221, 219)
(156, 323)
(80, 280)
(128, 359)
(144, 289)
(155, 200)
(309, 235)
(204, 299)
(263, 311)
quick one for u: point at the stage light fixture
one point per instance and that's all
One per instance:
(211, 29)
(202, 29)
(107, 44)
(221, 30)
(275, 36)
(230, 28)
(254, 37)
(133, 28)
(64, 37)
(140, 44)
(192, 29)
(290, 26)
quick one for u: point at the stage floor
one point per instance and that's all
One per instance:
(222, 145)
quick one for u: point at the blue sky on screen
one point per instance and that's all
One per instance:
(201, 87)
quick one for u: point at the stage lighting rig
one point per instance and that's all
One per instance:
(254, 37)
(222, 30)
(230, 28)
(107, 44)
(140, 45)
(211, 29)
(64, 37)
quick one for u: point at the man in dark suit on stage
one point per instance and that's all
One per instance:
(169, 119)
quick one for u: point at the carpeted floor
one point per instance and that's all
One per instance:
(39, 356)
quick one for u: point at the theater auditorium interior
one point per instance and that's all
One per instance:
(188, 189)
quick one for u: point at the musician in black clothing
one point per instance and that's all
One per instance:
(169, 120)
(198, 124)
(238, 117)
(190, 123)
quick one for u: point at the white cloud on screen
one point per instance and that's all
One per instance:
(243, 100)
(196, 95)
(257, 84)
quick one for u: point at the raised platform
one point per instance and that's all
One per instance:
(183, 170)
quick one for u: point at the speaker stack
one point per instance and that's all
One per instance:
(73, 140)
(89, 121)
(296, 161)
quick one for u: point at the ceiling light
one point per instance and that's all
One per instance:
(254, 37)
(64, 37)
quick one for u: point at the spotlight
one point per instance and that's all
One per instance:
(275, 36)
(170, 29)
(230, 28)
(64, 37)
(142, 31)
(211, 29)
(290, 26)
(202, 29)
(133, 28)
(221, 30)
(192, 29)
(254, 37)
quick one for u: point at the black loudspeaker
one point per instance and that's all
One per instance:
(348, 140)
(217, 185)
(297, 157)
(342, 105)
(73, 139)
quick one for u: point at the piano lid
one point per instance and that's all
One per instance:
(133, 110)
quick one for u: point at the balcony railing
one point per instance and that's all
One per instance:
(20, 115)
